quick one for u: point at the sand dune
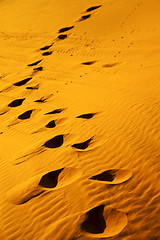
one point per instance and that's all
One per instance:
(79, 120)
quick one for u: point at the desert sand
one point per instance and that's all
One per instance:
(79, 120)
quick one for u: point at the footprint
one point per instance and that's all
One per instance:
(93, 8)
(16, 102)
(51, 124)
(60, 178)
(35, 63)
(20, 83)
(41, 100)
(25, 115)
(102, 222)
(55, 142)
(86, 116)
(34, 187)
(62, 36)
(33, 88)
(82, 145)
(46, 47)
(38, 69)
(47, 53)
(55, 111)
(84, 17)
(65, 29)
(50, 179)
(94, 222)
(113, 176)
(110, 65)
(88, 63)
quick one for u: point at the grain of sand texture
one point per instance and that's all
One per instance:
(79, 120)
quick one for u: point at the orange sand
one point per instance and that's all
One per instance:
(79, 120)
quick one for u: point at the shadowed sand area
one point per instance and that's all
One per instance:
(79, 120)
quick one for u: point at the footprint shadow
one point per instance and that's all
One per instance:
(86, 116)
(39, 185)
(65, 29)
(83, 145)
(84, 17)
(62, 36)
(102, 222)
(50, 179)
(54, 142)
(88, 63)
(59, 110)
(47, 53)
(36, 87)
(25, 115)
(90, 9)
(22, 82)
(35, 63)
(16, 103)
(46, 47)
(94, 222)
(38, 69)
(60, 178)
(51, 124)
(113, 176)
(43, 99)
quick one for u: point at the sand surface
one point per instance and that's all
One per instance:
(79, 119)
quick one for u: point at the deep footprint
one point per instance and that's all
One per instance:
(85, 17)
(55, 142)
(59, 110)
(86, 116)
(51, 124)
(35, 63)
(105, 176)
(20, 83)
(62, 36)
(82, 145)
(50, 179)
(16, 102)
(102, 222)
(113, 176)
(59, 178)
(46, 47)
(47, 53)
(93, 8)
(94, 222)
(65, 29)
(36, 186)
(25, 115)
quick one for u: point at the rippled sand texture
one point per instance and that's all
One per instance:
(79, 120)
